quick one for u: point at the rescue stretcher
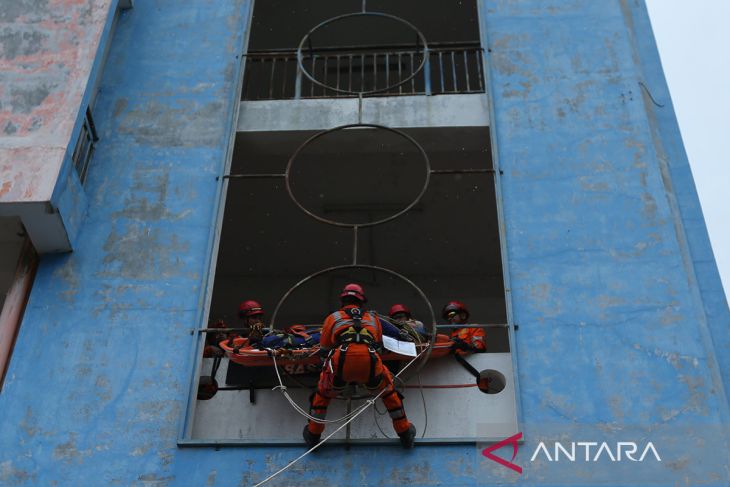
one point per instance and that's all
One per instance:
(241, 352)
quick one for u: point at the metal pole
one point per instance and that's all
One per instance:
(485, 325)
(462, 171)
(253, 176)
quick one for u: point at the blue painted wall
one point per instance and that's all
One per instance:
(623, 325)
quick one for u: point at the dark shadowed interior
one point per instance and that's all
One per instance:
(447, 244)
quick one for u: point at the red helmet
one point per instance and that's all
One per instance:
(399, 308)
(454, 307)
(354, 290)
(250, 308)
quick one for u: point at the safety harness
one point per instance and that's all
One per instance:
(356, 333)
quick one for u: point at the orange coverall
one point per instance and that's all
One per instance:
(472, 336)
(354, 363)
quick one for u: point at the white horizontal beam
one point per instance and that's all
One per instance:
(393, 111)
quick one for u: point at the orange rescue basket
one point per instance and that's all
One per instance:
(240, 352)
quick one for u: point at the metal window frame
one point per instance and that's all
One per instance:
(84, 148)
(184, 437)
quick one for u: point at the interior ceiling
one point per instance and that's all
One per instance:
(279, 24)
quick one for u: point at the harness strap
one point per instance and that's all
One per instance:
(373, 361)
(216, 365)
(467, 365)
(355, 315)
(341, 363)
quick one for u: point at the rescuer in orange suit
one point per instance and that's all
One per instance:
(465, 339)
(402, 317)
(252, 314)
(351, 338)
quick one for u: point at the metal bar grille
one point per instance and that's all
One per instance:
(450, 68)
(84, 148)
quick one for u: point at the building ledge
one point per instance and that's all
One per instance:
(462, 110)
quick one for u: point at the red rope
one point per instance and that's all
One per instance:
(440, 386)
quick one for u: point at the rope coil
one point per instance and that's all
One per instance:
(354, 414)
(299, 409)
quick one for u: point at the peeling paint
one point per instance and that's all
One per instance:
(14, 43)
(9, 475)
(67, 274)
(187, 123)
(119, 106)
(10, 128)
(68, 452)
(26, 99)
(153, 480)
(141, 253)
(31, 10)
(29, 423)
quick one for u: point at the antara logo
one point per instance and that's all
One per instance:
(512, 440)
(623, 450)
(628, 448)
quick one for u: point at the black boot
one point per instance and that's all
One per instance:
(408, 437)
(310, 438)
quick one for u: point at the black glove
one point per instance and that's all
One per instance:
(460, 344)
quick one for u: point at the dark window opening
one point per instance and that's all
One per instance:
(273, 252)
(410, 214)
(363, 53)
(448, 243)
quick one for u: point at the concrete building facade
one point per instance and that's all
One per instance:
(594, 253)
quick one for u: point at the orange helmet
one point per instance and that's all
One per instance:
(354, 290)
(250, 308)
(454, 307)
(399, 308)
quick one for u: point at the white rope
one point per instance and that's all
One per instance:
(298, 408)
(359, 411)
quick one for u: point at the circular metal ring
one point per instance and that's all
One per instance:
(310, 76)
(344, 127)
(424, 358)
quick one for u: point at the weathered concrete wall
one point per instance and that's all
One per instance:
(612, 277)
(51, 54)
(89, 399)
(47, 53)
(622, 326)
